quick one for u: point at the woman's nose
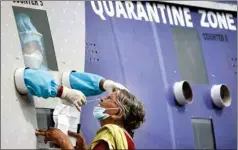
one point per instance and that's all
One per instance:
(101, 100)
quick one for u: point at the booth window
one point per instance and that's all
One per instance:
(35, 38)
(203, 133)
(190, 55)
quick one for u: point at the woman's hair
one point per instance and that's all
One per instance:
(133, 112)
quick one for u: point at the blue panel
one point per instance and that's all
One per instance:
(142, 56)
(102, 59)
(140, 62)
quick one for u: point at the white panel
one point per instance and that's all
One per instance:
(67, 24)
(207, 4)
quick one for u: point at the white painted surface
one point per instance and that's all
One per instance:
(67, 24)
(207, 4)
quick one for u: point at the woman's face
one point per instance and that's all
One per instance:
(115, 114)
(110, 102)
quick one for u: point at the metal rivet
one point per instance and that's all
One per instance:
(175, 71)
(65, 40)
(213, 75)
(52, 10)
(72, 21)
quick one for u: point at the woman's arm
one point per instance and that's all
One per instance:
(81, 144)
(102, 145)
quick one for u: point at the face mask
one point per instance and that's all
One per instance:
(98, 113)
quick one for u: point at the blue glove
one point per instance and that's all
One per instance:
(86, 82)
(40, 83)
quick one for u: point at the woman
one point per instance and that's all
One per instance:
(119, 114)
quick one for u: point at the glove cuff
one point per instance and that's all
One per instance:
(19, 81)
(65, 79)
(101, 83)
(60, 91)
(64, 92)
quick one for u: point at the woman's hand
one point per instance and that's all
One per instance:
(57, 137)
(80, 142)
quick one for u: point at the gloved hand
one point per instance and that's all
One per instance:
(33, 60)
(110, 86)
(75, 97)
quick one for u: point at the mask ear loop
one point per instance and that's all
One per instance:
(120, 111)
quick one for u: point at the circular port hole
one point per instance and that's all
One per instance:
(187, 91)
(225, 95)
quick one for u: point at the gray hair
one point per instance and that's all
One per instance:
(133, 112)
